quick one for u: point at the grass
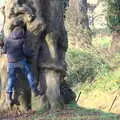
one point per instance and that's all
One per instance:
(107, 82)
(101, 42)
(75, 112)
(70, 112)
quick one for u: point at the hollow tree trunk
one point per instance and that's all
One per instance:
(47, 36)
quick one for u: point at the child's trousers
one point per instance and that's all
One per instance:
(25, 69)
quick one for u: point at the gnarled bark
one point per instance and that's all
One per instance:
(47, 36)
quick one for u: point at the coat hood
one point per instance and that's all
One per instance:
(17, 33)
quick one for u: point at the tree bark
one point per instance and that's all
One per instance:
(114, 47)
(47, 36)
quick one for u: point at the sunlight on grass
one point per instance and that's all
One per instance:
(74, 112)
(101, 42)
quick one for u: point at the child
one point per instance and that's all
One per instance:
(16, 50)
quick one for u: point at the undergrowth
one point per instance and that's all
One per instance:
(90, 69)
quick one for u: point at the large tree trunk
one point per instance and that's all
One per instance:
(77, 24)
(47, 36)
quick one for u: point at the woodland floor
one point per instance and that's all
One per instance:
(88, 109)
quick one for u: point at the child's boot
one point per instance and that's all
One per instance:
(36, 92)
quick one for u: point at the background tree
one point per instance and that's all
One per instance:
(113, 20)
(77, 23)
(47, 36)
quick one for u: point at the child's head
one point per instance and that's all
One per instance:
(19, 30)
(18, 23)
(17, 33)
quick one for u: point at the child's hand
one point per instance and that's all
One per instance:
(1, 52)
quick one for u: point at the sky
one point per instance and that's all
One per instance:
(1, 17)
(1, 2)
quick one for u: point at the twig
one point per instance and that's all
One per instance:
(78, 97)
(113, 103)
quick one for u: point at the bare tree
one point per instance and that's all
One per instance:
(77, 23)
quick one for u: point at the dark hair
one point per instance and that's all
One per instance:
(18, 23)
(18, 30)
